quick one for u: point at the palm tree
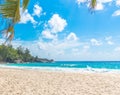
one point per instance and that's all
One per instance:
(93, 4)
(10, 10)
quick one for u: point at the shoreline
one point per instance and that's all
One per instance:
(40, 82)
(62, 69)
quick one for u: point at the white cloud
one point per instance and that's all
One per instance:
(95, 42)
(80, 1)
(116, 13)
(117, 49)
(105, 1)
(109, 40)
(27, 17)
(62, 49)
(72, 36)
(58, 45)
(110, 43)
(56, 49)
(75, 50)
(37, 10)
(99, 6)
(48, 35)
(86, 47)
(55, 25)
(117, 2)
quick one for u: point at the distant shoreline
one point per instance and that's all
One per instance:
(42, 61)
(8, 54)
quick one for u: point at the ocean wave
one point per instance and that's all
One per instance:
(69, 65)
(62, 69)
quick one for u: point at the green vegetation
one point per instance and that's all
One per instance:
(93, 4)
(10, 10)
(19, 55)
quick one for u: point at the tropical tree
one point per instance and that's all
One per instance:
(10, 10)
(93, 4)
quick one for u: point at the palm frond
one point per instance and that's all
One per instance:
(25, 4)
(11, 9)
(10, 37)
(93, 4)
(17, 12)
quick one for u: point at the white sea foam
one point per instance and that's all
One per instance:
(71, 70)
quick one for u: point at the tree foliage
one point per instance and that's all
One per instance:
(10, 10)
(19, 55)
(9, 54)
(93, 4)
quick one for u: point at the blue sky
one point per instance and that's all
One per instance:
(67, 30)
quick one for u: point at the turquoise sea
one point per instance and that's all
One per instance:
(72, 65)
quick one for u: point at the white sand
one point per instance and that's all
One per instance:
(36, 82)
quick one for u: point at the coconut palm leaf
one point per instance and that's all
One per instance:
(93, 4)
(10, 37)
(10, 10)
(25, 4)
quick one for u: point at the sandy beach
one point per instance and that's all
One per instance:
(37, 82)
